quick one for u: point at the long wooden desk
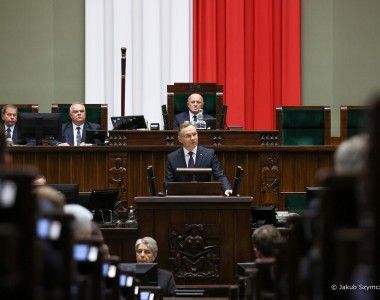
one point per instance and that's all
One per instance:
(268, 168)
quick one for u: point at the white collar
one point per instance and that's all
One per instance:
(11, 127)
(194, 151)
(75, 126)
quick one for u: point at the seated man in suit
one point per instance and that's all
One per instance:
(146, 252)
(194, 103)
(74, 132)
(9, 117)
(191, 155)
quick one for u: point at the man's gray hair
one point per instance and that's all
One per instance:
(6, 106)
(149, 242)
(266, 240)
(82, 224)
(77, 103)
(351, 155)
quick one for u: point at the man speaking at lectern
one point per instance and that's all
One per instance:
(193, 156)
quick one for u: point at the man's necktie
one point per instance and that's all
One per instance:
(79, 137)
(190, 164)
(194, 118)
(8, 135)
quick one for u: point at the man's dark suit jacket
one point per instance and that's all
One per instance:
(166, 282)
(205, 158)
(184, 116)
(18, 139)
(67, 132)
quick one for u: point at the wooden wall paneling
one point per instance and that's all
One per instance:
(63, 168)
(48, 165)
(137, 181)
(78, 164)
(251, 185)
(267, 170)
(96, 170)
(299, 168)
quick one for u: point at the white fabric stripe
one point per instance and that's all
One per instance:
(158, 38)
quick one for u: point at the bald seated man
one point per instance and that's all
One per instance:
(195, 102)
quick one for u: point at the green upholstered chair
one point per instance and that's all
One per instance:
(295, 202)
(95, 113)
(178, 93)
(26, 107)
(304, 125)
(353, 120)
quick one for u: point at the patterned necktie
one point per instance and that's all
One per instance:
(190, 164)
(194, 118)
(79, 137)
(8, 135)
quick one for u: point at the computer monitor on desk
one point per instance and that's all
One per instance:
(210, 123)
(41, 127)
(128, 122)
(71, 192)
(102, 204)
(96, 137)
(146, 273)
(194, 174)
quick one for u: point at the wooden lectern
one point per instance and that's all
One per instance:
(200, 238)
(194, 188)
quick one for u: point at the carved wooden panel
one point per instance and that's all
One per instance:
(117, 176)
(192, 254)
(270, 178)
(200, 238)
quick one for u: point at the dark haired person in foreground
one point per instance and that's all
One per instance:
(265, 241)
(146, 252)
(192, 155)
(74, 132)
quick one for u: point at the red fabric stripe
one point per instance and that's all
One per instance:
(252, 47)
